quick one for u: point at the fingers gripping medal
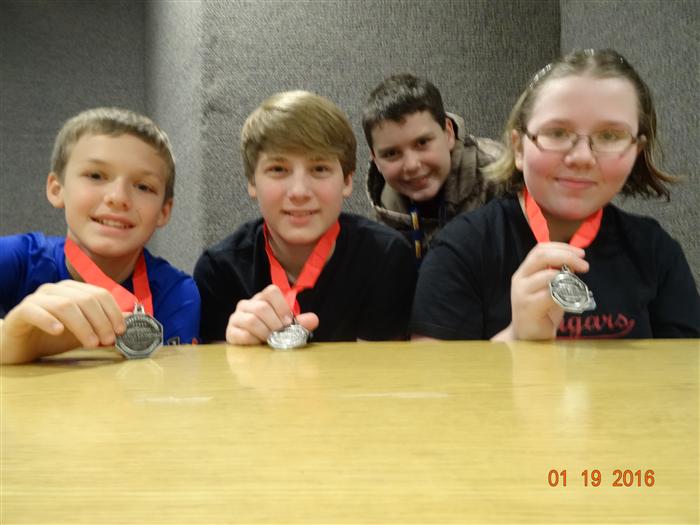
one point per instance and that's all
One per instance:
(566, 289)
(570, 292)
(295, 335)
(290, 337)
(143, 335)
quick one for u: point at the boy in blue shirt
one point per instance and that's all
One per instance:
(113, 172)
(337, 274)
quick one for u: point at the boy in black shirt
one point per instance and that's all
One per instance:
(340, 275)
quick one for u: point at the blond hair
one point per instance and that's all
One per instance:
(297, 121)
(113, 122)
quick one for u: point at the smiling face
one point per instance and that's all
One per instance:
(300, 196)
(413, 155)
(113, 191)
(570, 186)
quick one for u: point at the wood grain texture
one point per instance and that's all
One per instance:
(462, 432)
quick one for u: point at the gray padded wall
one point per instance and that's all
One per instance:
(661, 39)
(173, 99)
(474, 51)
(200, 68)
(56, 59)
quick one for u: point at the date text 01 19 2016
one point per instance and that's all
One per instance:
(594, 478)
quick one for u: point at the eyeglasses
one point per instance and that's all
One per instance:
(605, 142)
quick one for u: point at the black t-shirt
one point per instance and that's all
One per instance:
(364, 291)
(638, 274)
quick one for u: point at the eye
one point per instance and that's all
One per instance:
(423, 142)
(94, 175)
(321, 168)
(146, 188)
(611, 135)
(389, 154)
(556, 133)
(275, 169)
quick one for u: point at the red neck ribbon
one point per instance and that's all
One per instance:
(91, 274)
(309, 273)
(581, 239)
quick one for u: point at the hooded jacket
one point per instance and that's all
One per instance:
(464, 189)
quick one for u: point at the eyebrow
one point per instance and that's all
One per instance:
(422, 136)
(101, 162)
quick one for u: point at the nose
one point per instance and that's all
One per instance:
(411, 163)
(299, 185)
(581, 153)
(118, 195)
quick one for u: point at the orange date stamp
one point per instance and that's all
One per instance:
(595, 478)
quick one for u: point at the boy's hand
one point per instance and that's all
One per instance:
(265, 312)
(535, 315)
(59, 317)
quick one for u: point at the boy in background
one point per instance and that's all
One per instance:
(113, 172)
(304, 261)
(425, 169)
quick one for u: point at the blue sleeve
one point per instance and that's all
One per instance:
(179, 312)
(13, 268)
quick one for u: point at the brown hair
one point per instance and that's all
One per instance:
(114, 122)
(645, 179)
(298, 121)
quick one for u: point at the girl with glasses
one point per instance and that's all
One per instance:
(553, 257)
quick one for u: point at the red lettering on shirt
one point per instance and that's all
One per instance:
(595, 326)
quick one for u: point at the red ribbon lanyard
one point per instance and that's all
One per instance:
(309, 273)
(91, 274)
(581, 239)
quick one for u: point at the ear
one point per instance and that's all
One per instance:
(641, 144)
(252, 192)
(54, 191)
(347, 184)
(516, 141)
(450, 132)
(372, 156)
(165, 211)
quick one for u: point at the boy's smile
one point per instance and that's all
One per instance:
(300, 196)
(113, 190)
(413, 155)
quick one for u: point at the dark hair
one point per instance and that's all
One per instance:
(399, 96)
(645, 179)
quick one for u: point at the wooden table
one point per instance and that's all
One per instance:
(355, 433)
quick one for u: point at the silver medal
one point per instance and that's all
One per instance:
(289, 337)
(570, 292)
(143, 335)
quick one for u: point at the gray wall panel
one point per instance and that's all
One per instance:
(173, 98)
(662, 40)
(473, 51)
(58, 58)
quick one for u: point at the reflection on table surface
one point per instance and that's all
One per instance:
(459, 432)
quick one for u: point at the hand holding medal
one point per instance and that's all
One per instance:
(143, 334)
(540, 294)
(274, 315)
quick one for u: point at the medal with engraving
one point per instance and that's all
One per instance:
(566, 289)
(143, 335)
(295, 335)
(570, 292)
(290, 337)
